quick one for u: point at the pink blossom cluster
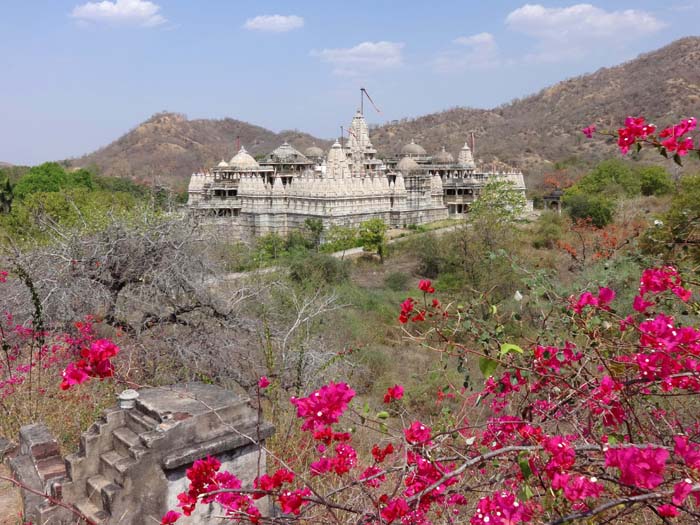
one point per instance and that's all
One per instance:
(95, 362)
(674, 137)
(636, 130)
(602, 300)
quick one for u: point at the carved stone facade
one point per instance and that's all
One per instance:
(132, 462)
(346, 187)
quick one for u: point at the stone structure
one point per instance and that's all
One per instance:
(347, 186)
(131, 464)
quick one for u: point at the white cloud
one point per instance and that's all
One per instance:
(120, 12)
(366, 56)
(274, 23)
(482, 52)
(572, 32)
(480, 39)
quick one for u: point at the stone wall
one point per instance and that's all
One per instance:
(132, 462)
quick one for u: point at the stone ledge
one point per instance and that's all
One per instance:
(225, 443)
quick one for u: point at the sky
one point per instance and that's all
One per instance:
(76, 75)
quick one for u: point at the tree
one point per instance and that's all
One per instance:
(498, 203)
(314, 229)
(586, 206)
(609, 178)
(6, 196)
(51, 177)
(655, 180)
(340, 238)
(372, 235)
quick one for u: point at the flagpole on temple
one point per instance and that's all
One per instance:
(342, 136)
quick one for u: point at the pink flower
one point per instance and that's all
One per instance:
(689, 451)
(393, 392)
(170, 517)
(395, 509)
(588, 131)
(417, 433)
(605, 296)
(640, 305)
(325, 406)
(502, 508)
(291, 501)
(375, 473)
(406, 309)
(581, 488)
(263, 383)
(426, 286)
(684, 146)
(639, 467)
(667, 510)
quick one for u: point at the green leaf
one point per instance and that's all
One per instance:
(383, 415)
(487, 366)
(524, 466)
(510, 347)
(365, 409)
(677, 159)
(663, 152)
(639, 147)
(526, 493)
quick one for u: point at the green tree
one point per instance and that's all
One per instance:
(655, 180)
(610, 177)
(583, 206)
(6, 196)
(314, 231)
(372, 235)
(51, 177)
(340, 238)
(499, 203)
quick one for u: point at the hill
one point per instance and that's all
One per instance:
(168, 148)
(663, 85)
(532, 132)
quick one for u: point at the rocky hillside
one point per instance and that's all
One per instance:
(168, 148)
(663, 85)
(532, 132)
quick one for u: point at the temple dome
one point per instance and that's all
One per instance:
(313, 151)
(407, 164)
(243, 161)
(287, 153)
(222, 164)
(413, 149)
(444, 157)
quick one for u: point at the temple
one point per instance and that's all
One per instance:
(344, 186)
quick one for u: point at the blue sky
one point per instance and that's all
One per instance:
(75, 75)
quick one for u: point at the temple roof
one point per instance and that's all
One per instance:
(407, 164)
(313, 151)
(286, 153)
(443, 157)
(413, 149)
(243, 161)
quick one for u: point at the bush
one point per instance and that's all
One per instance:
(599, 209)
(396, 281)
(655, 180)
(549, 230)
(318, 268)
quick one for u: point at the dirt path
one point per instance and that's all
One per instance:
(10, 507)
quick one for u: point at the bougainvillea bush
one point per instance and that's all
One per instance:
(602, 426)
(39, 364)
